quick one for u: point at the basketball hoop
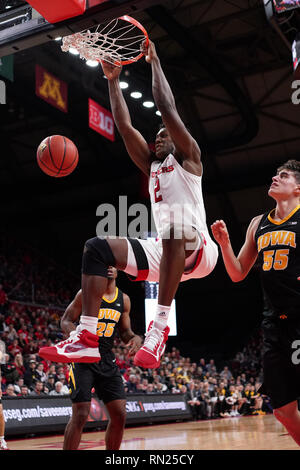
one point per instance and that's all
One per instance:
(119, 41)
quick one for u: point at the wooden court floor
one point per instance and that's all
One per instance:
(243, 433)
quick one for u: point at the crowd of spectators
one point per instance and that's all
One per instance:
(211, 390)
(29, 276)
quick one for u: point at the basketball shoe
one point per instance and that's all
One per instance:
(148, 356)
(81, 346)
(3, 445)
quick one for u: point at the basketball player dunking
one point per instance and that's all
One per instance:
(105, 375)
(274, 240)
(184, 248)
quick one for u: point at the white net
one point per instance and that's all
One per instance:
(118, 42)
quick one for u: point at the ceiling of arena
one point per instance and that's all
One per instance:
(231, 74)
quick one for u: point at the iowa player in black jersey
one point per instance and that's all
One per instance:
(273, 239)
(104, 375)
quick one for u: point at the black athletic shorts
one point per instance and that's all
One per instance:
(280, 356)
(104, 376)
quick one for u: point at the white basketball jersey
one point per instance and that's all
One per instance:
(176, 196)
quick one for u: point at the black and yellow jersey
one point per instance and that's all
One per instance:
(109, 315)
(278, 246)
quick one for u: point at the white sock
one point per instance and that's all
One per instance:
(88, 323)
(161, 317)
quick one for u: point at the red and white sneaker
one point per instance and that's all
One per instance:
(81, 346)
(148, 356)
(3, 445)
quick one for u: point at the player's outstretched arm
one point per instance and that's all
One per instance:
(131, 340)
(186, 146)
(236, 266)
(135, 143)
(72, 313)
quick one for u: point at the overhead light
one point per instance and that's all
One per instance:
(158, 113)
(124, 85)
(8, 7)
(136, 95)
(148, 104)
(73, 51)
(58, 38)
(92, 63)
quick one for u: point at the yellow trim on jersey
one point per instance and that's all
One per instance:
(277, 222)
(114, 299)
(71, 374)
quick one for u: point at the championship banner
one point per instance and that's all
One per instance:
(101, 120)
(42, 414)
(51, 89)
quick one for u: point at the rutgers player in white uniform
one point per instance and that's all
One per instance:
(183, 249)
(182, 208)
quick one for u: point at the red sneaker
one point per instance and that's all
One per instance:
(81, 346)
(148, 356)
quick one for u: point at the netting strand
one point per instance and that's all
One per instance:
(112, 43)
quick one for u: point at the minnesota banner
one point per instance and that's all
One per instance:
(51, 89)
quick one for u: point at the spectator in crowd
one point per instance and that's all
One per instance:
(40, 372)
(193, 400)
(24, 391)
(226, 374)
(18, 384)
(10, 391)
(12, 333)
(58, 389)
(30, 374)
(50, 383)
(131, 384)
(9, 371)
(38, 389)
(19, 364)
(14, 348)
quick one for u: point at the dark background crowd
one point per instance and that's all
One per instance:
(33, 295)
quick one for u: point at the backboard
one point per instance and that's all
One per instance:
(22, 27)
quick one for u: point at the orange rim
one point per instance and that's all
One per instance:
(133, 21)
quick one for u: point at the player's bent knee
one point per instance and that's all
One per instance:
(80, 414)
(97, 256)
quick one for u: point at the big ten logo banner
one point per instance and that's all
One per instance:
(101, 120)
(51, 89)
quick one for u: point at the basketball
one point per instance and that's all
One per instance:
(57, 156)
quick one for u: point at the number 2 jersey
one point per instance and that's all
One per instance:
(278, 246)
(176, 196)
(108, 317)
